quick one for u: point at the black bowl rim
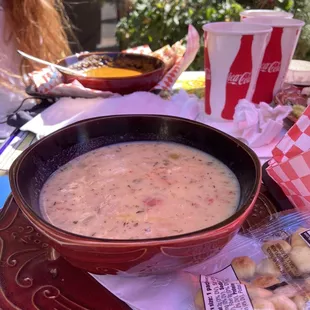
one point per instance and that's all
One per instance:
(88, 78)
(117, 242)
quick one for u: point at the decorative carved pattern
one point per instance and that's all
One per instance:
(263, 209)
(53, 296)
(38, 278)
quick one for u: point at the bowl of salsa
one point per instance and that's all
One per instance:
(115, 72)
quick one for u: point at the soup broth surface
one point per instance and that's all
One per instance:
(140, 190)
(108, 72)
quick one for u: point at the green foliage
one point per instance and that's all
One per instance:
(285, 5)
(161, 22)
(302, 11)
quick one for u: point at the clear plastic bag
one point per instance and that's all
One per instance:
(267, 269)
(255, 271)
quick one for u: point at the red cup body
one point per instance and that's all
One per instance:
(238, 79)
(277, 57)
(233, 55)
(270, 69)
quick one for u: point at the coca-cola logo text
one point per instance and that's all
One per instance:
(271, 67)
(208, 73)
(239, 79)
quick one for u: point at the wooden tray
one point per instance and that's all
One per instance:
(31, 279)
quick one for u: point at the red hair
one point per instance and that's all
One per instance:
(39, 28)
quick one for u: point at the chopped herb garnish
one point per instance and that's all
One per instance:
(166, 162)
(75, 222)
(136, 181)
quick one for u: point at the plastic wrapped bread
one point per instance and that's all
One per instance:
(273, 273)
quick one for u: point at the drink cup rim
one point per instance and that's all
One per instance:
(269, 13)
(236, 28)
(275, 21)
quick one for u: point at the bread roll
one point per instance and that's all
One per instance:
(300, 256)
(262, 304)
(282, 302)
(307, 284)
(287, 290)
(282, 243)
(301, 302)
(244, 267)
(258, 292)
(267, 267)
(265, 281)
(296, 240)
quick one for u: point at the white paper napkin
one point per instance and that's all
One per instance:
(170, 291)
(67, 110)
(258, 126)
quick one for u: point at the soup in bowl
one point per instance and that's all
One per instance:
(115, 72)
(137, 194)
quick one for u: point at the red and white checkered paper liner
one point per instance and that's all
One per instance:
(50, 81)
(290, 166)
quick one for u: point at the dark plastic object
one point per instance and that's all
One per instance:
(279, 199)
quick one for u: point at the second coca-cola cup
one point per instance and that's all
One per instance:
(264, 13)
(233, 56)
(278, 55)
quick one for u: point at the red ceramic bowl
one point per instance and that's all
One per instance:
(138, 257)
(152, 72)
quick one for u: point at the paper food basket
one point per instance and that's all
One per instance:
(290, 165)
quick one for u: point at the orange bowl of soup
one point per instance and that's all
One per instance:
(137, 194)
(115, 72)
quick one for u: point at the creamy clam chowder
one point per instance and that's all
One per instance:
(140, 190)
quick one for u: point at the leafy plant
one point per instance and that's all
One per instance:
(302, 11)
(285, 5)
(161, 22)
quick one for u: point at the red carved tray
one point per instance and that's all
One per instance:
(32, 279)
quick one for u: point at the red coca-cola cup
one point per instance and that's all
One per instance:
(233, 56)
(264, 13)
(278, 55)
